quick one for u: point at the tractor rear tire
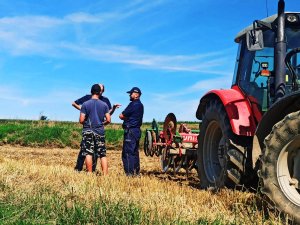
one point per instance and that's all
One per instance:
(215, 168)
(280, 166)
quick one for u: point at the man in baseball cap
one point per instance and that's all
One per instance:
(132, 118)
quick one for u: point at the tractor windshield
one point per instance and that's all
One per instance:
(255, 68)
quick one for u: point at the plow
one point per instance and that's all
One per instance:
(177, 149)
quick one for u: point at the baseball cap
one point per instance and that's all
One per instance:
(96, 89)
(134, 90)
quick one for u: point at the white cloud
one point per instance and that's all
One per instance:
(215, 83)
(81, 17)
(44, 36)
(130, 55)
(198, 89)
(183, 110)
(11, 95)
(29, 23)
(55, 104)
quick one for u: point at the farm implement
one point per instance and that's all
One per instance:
(176, 148)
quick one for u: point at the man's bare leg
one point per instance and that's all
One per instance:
(104, 165)
(89, 163)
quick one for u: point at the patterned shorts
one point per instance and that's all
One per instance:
(93, 144)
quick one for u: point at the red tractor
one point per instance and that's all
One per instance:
(251, 132)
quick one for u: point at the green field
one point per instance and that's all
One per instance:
(58, 134)
(50, 134)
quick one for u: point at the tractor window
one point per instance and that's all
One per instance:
(293, 38)
(250, 78)
(236, 65)
(250, 66)
(293, 41)
(263, 56)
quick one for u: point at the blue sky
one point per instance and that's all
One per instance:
(52, 51)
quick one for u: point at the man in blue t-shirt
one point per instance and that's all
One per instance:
(94, 114)
(133, 119)
(77, 104)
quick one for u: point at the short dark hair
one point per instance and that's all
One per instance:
(96, 89)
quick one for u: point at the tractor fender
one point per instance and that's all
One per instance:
(286, 105)
(237, 108)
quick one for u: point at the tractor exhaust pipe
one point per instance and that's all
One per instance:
(280, 52)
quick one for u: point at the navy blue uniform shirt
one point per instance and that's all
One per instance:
(85, 98)
(133, 114)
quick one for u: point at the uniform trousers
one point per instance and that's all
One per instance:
(130, 152)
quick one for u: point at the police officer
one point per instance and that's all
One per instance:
(133, 119)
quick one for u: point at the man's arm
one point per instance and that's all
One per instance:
(76, 106)
(107, 119)
(81, 118)
(115, 106)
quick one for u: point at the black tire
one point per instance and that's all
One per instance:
(152, 148)
(148, 144)
(280, 166)
(157, 151)
(165, 159)
(216, 168)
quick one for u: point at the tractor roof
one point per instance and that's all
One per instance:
(238, 37)
(269, 19)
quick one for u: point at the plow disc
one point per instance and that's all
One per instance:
(169, 127)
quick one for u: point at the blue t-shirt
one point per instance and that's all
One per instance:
(85, 98)
(133, 115)
(94, 111)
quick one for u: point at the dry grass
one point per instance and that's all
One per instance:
(28, 170)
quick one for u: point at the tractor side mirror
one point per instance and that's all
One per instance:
(255, 40)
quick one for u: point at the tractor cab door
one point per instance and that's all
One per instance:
(253, 74)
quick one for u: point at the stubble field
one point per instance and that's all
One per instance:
(40, 186)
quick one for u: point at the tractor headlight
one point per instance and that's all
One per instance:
(292, 18)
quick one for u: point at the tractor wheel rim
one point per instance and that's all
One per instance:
(288, 170)
(212, 145)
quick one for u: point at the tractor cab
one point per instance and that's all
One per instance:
(255, 65)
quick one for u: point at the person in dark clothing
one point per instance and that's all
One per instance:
(93, 116)
(77, 104)
(132, 118)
